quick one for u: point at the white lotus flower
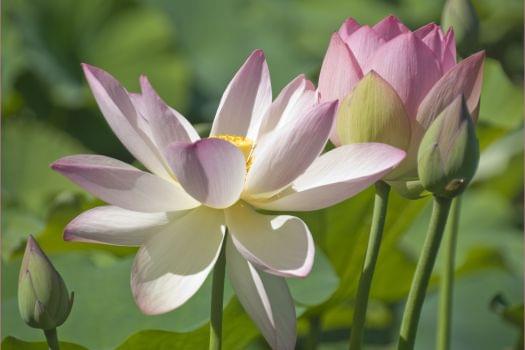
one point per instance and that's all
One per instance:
(260, 155)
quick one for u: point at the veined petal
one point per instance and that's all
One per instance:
(116, 226)
(348, 27)
(286, 103)
(210, 170)
(432, 35)
(390, 27)
(449, 55)
(340, 71)
(123, 185)
(280, 245)
(287, 153)
(119, 111)
(245, 100)
(335, 176)
(173, 264)
(363, 43)
(266, 298)
(409, 66)
(165, 123)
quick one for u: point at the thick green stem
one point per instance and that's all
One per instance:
(424, 267)
(52, 339)
(447, 283)
(217, 293)
(315, 331)
(367, 272)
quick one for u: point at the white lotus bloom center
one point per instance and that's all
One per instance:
(244, 144)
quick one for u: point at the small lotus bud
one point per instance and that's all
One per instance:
(373, 112)
(43, 298)
(462, 17)
(449, 151)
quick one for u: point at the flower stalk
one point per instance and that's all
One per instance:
(52, 339)
(217, 294)
(367, 272)
(447, 282)
(416, 296)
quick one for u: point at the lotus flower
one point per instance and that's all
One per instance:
(203, 193)
(401, 80)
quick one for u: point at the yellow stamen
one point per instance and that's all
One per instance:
(244, 144)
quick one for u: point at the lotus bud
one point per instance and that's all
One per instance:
(462, 17)
(43, 298)
(449, 151)
(373, 112)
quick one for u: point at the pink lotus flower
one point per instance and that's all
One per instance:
(420, 67)
(260, 155)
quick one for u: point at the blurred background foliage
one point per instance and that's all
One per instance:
(190, 50)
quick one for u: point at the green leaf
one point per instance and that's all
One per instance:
(12, 343)
(104, 313)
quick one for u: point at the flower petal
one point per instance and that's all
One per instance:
(173, 264)
(119, 111)
(348, 27)
(280, 245)
(390, 27)
(123, 185)
(340, 71)
(335, 176)
(432, 35)
(449, 55)
(465, 78)
(299, 94)
(245, 100)
(288, 152)
(165, 123)
(210, 170)
(116, 226)
(266, 298)
(363, 43)
(409, 66)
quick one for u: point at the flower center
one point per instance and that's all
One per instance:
(244, 144)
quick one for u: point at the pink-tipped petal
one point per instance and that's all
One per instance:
(285, 154)
(409, 66)
(165, 123)
(210, 170)
(465, 78)
(439, 43)
(390, 27)
(115, 226)
(173, 264)
(449, 54)
(299, 93)
(123, 185)
(265, 298)
(245, 100)
(121, 115)
(363, 43)
(280, 245)
(348, 27)
(340, 71)
(335, 176)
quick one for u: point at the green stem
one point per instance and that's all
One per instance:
(447, 283)
(52, 339)
(314, 332)
(367, 272)
(424, 267)
(217, 293)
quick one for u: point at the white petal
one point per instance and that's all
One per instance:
(265, 298)
(336, 176)
(285, 154)
(123, 185)
(173, 264)
(245, 100)
(117, 226)
(211, 170)
(280, 245)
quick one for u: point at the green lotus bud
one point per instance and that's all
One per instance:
(43, 298)
(449, 151)
(373, 112)
(462, 17)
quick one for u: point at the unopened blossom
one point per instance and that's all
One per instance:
(393, 82)
(259, 155)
